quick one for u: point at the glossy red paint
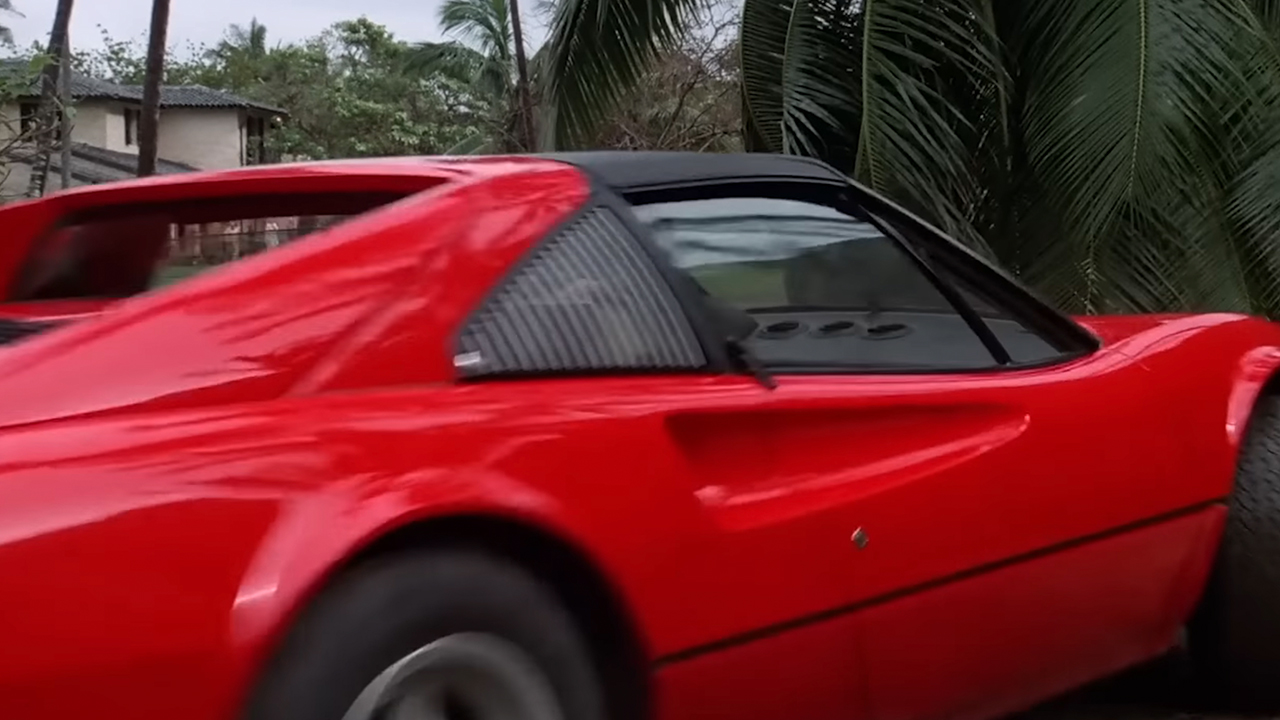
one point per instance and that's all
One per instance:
(182, 473)
(58, 310)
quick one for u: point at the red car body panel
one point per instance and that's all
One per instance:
(259, 427)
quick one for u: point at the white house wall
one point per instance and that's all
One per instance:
(96, 123)
(9, 117)
(113, 131)
(208, 138)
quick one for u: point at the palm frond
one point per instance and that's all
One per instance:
(486, 23)
(917, 141)
(452, 59)
(800, 83)
(1122, 129)
(599, 50)
(477, 143)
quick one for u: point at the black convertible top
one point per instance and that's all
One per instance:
(640, 169)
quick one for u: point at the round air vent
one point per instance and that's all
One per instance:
(782, 329)
(886, 331)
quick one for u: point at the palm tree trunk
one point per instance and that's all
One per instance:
(64, 101)
(48, 92)
(149, 121)
(522, 80)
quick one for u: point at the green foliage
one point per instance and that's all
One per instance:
(483, 58)
(16, 137)
(598, 51)
(1121, 155)
(348, 91)
(688, 98)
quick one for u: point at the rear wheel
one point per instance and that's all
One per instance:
(433, 636)
(1235, 634)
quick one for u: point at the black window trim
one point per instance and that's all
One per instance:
(1071, 341)
(992, 281)
(714, 348)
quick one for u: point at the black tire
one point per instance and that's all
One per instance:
(386, 609)
(1235, 635)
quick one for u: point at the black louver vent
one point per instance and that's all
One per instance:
(12, 331)
(587, 300)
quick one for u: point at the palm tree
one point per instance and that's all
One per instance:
(252, 39)
(522, 79)
(241, 54)
(490, 54)
(149, 119)
(6, 34)
(1118, 154)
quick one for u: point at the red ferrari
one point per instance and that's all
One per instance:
(602, 435)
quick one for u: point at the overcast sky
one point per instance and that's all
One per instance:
(203, 21)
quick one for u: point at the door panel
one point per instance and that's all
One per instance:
(805, 673)
(968, 488)
(1001, 641)
(794, 456)
(949, 476)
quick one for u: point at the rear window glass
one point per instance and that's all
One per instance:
(119, 252)
(194, 248)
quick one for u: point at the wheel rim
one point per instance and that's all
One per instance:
(467, 676)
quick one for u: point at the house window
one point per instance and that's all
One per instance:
(28, 112)
(29, 120)
(256, 141)
(131, 119)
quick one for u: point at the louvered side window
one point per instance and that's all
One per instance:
(587, 300)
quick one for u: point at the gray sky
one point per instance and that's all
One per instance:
(203, 21)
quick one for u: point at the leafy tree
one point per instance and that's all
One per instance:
(17, 139)
(350, 80)
(241, 56)
(688, 98)
(484, 56)
(1119, 154)
(347, 90)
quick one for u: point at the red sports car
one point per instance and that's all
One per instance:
(600, 435)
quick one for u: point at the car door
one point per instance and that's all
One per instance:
(999, 544)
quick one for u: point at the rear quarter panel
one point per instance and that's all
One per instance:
(151, 563)
(1209, 370)
(178, 475)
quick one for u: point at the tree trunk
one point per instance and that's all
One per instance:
(64, 101)
(45, 115)
(149, 121)
(522, 80)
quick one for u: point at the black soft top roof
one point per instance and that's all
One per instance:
(636, 170)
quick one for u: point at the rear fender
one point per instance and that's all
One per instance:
(1211, 370)
(1254, 374)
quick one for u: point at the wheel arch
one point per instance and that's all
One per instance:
(1257, 376)
(609, 627)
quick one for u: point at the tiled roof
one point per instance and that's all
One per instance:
(200, 96)
(90, 164)
(171, 96)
